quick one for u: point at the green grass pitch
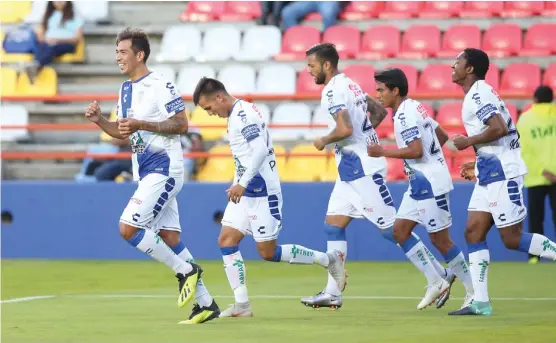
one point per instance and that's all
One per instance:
(135, 302)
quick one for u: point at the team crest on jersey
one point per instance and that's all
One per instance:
(137, 143)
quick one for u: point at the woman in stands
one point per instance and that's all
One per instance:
(59, 34)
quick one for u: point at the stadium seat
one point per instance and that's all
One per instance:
(306, 84)
(14, 11)
(176, 49)
(331, 172)
(346, 38)
(276, 79)
(296, 41)
(13, 114)
(521, 77)
(437, 78)
(167, 71)
(203, 10)
(264, 110)
(92, 11)
(400, 9)
(380, 41)
(260, 43)
(513, 111)
(241, 11)
(540, 40)
(410, 72)
(12, 58)
(502, 40)
(430, 110)
(549, 9)
(449, 117)
(45, 84)
(363, 75)
(459, 37)
(220, 43)
(218, 169)
(9, 81)
(386, 128)
(104, 137)
(281, 159)
(306, 168)
(320, 116)
(38, 8)
(519, 9)
(395, 169)
(549, 78)
(420, 41)
(481, 9)
(441, 9)
(200, 117)
(361, 10)
(77, 57)
(238, 78)
(189, 76)
(291, 113)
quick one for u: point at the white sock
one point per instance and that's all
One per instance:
(292, 253)
(460, 268)
(436, 264)
(237, 276)
(478, 264)
(341, 246)
(150, 243)
(542, 247)
(416, 253)
(202, 294)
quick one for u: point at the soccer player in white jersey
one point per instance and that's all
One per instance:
(497, 197)
(255, 197)
(427, 200)
(151, 114)
(360, 190)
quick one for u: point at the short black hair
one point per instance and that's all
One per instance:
(325, 52)
(139, 41)
(393, 78)
(543, 94)
(207, 86)
(478, 59)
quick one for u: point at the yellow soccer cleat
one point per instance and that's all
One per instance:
(202, 314)
(188, 285)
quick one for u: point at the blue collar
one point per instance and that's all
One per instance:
(142, 77)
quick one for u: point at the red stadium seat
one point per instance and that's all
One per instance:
(441, 9)
(521, 77)
(513, 111)
(363, 75)
(361, 10)
(540, 40)
(386, 128)
(241, 11)
(203, 10)
(481, 9)
(306, 84)
(459, 37)
(549, 78)
(396, 169)
(549, 9)
(296, 41)
(400, 9)
(493, 76)
(420, 41)
(314, 16)
(437, 78)
(380, 41)
(518, 9)
(346, 38)
(502, 40)
(429, 109)
(410, 72)
(449, 117)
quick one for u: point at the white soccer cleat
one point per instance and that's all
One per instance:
(467, 300)
(336, 268)
(323, 299)
(434, 291)
(238, 310)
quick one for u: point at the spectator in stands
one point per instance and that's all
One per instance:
(297, 10)
(537, 130)
(274, 9)
(109, 170)
(59, 33)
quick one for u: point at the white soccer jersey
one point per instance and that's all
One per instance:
(351, 153)
(152, 98)
(429, 175)
(498, 160)
(245, 123)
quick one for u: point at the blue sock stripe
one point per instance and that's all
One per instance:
(409, 243)
(474, 247)
(525, 242)
(178, 248)
(451, 254)
(277, 254)
(335, 233)
(229, 250)
(137, 238)
(388, 235)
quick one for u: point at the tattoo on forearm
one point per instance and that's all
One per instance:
(346, 119)
(377, 112)
(169, 126)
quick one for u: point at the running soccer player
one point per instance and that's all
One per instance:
(360, 190)
(497, 197)
(427, 200)
(255, 197)
(151, 115)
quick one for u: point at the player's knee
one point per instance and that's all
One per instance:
(400, 233)
(442, 241)
(171, 238)
(127, 231)
(267, 254)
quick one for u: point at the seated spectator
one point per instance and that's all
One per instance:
(297, 10)
(59, 34)
(272, 9)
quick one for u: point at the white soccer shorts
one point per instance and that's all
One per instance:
(503, 199)
(433, 213)
(260, 217)
(153, 206)
(367, 197)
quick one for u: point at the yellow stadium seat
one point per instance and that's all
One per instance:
(218, 169)
(12, 58)
(104, 137)
(201, 117)
(305, 169)
(9, 81)
(331, 173)
(14, 11)
(45, 84)
(77, 57)
(280, 160)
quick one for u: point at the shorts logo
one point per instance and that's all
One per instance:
(135, 200)
(253, 217)
(380, 221)
(368, 209)
(432, 223)
(493, 204)
(502, 217)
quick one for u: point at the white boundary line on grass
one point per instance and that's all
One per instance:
(165, 296)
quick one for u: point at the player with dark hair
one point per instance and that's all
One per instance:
(255, 197)
(497, 197)
(427, 200)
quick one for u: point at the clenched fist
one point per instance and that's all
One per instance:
(92, 112)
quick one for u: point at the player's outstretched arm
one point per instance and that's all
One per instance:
(377, 112)
(413, 150)
(343, 129)
(496, 129)
(175, 125)
(93, 114)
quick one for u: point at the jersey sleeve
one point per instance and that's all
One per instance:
(407, 127)
(483, 105)
(247, 124)
(336, 100)
(169, 100)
